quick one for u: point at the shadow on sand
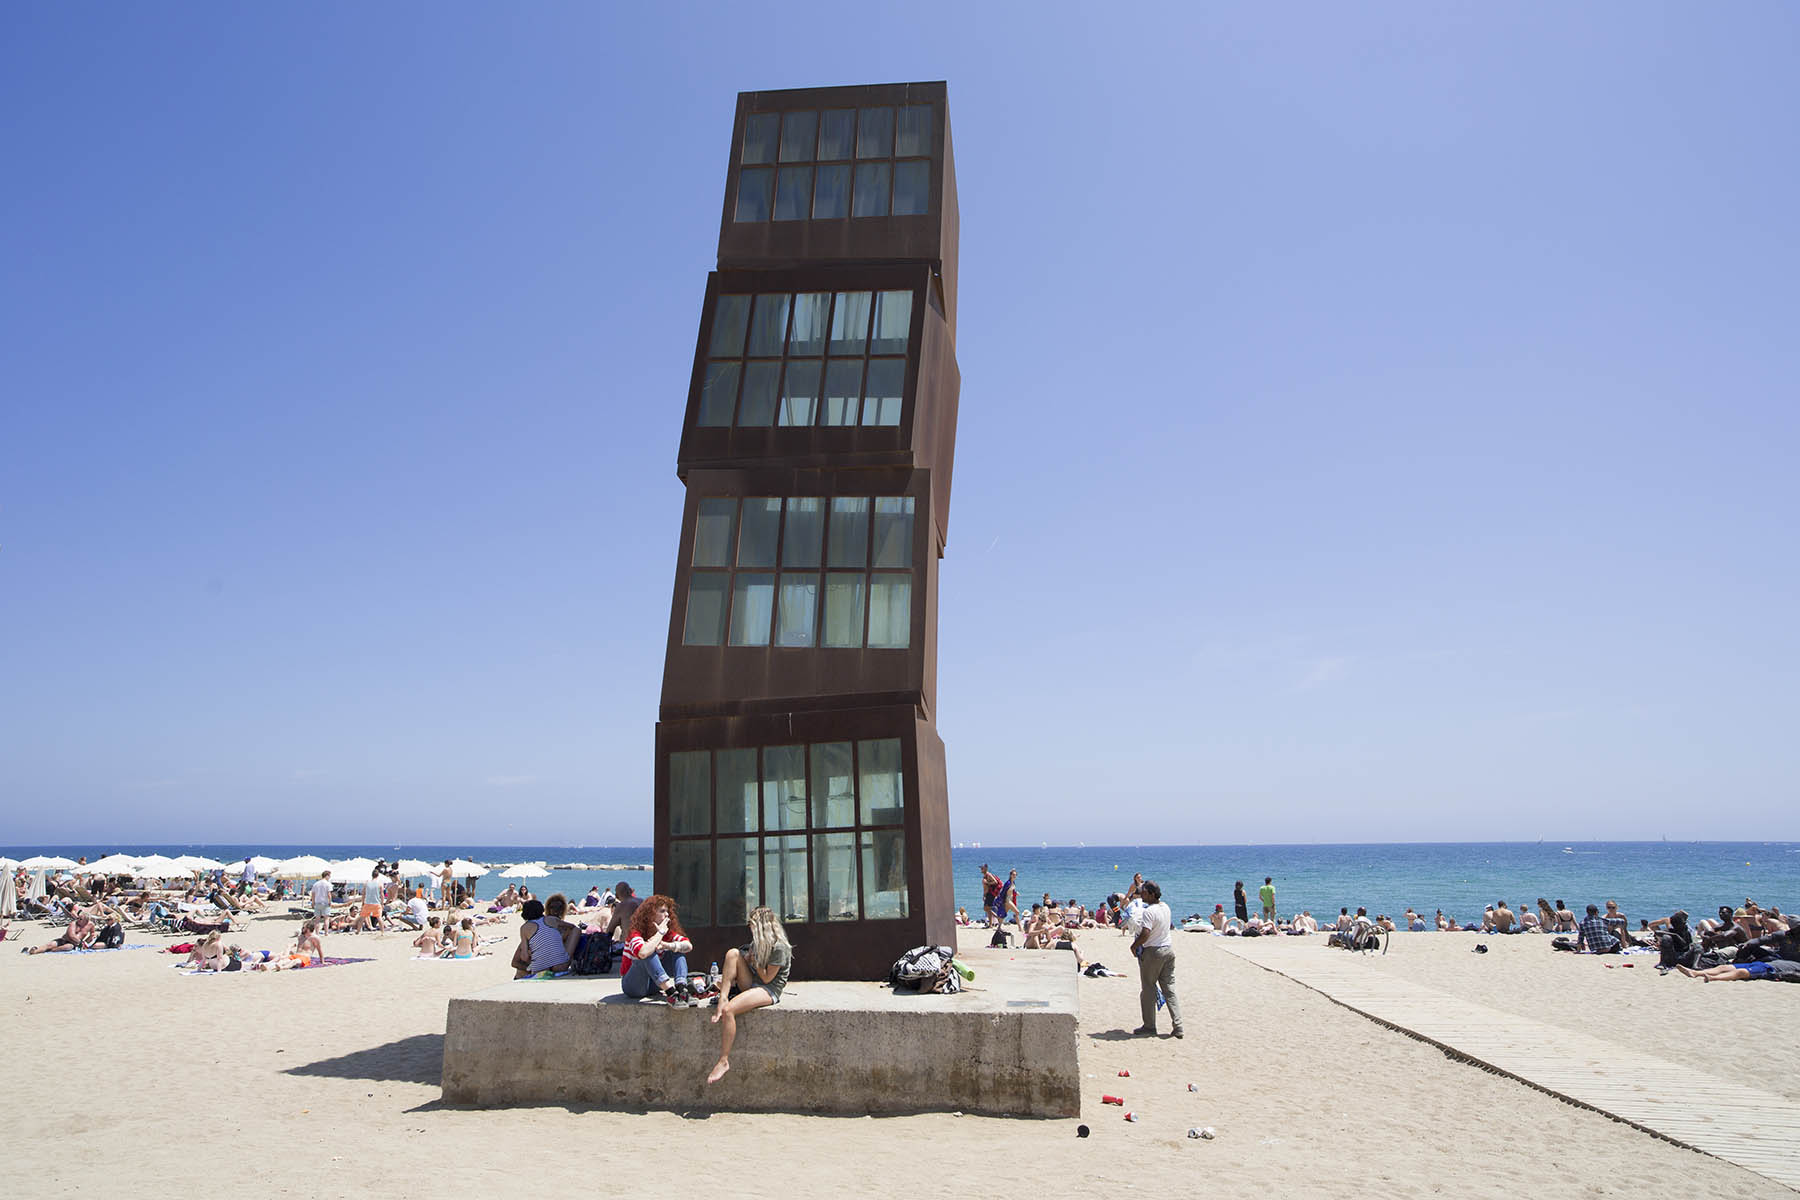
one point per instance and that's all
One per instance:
(418, 1059)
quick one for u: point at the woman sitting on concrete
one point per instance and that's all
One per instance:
(759, 972)
(541, 944)
(656, 953)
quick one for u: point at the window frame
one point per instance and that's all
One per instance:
(889, 162)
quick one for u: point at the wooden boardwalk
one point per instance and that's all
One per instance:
(1755, 1129)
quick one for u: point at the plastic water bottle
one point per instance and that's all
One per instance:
(712, 976)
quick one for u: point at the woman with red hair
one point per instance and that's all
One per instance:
(656, 953)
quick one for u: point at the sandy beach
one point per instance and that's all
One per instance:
(119, 1069)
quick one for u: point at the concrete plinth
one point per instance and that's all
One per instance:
(1005, 1046)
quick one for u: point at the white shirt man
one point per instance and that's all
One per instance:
(249, 876)
(419, 909)
(321, 897)
(1156, 960)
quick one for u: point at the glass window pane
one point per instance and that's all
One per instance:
(797, 136)
(893, 323)
(890, 610)
(799, 606)
(752, 608)
(706, 609)
(793, 193)
(740, 885)
(850, 322)
(690, 792)
(812, 312)
(831, 194)
(736, 791)
(761, 528)
(849, 544)
(870, 199)
(759, 137)
(882, 393)
(758, 405)
(754, 186)
(843, 391)
(914, 136)
(879, 781)
(768, 332)
(834, 877)
(883, 874)
(799, 392)
(784, 876)
(804, 532)
(691, 888)
(912, 189)
(834, 799)
(875, 133)
(718, 393)
(784, 788)
(836, 132)
(893, 531)
(712, 531)
(730, 314)
(844, 609)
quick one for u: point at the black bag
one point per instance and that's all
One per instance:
(112, 937)
(593, 955)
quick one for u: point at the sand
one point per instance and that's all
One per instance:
(119, 1075)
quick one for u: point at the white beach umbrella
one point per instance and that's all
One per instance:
(9, 899)
(46, 862)
(262, 864)
(158, 867)
(304, 866)
(115, 864)
(412, 866)
(353, 868)
(35, 890)
(462, 868)
(530, 870)
(191, 863)
(8, 864)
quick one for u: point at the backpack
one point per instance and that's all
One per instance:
(925, 969)
(593, 955)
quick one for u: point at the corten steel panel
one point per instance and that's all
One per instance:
(834, 949)
(705, 680)
(926, 435)
(931, 237)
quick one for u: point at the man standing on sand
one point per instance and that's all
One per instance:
(1240, 902)
(1156, 960)
(321, 898)
(248, 880)
(374, 896)
(1266, 893)
(990, 894)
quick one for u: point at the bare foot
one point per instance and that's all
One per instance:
(719, 1068)
(715, 1020)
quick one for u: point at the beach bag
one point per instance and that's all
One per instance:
(920, 967)
(112, 937)
(1562, 943)
(593, 955)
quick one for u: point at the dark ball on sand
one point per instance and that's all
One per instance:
(1081, 1131)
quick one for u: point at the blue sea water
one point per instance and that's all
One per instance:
(1646, 878)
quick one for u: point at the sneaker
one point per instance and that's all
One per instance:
(1144, 1031)
(1178, 1033)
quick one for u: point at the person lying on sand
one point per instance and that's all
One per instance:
(1779, 971)
(79, 935)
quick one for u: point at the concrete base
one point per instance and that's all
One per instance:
(1005, 1046)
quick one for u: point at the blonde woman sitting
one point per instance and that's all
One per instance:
(758, 972)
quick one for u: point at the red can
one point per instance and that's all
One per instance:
(1112, 1100)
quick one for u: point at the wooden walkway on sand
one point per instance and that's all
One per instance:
(1753, 1128)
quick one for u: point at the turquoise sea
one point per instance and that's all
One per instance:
(1646, 878)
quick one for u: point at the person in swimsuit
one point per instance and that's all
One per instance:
(465, 940)
(541, 944)
(78, 936)
(759, 972)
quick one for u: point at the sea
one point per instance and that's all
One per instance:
(1648, 879)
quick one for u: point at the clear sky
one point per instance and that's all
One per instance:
(1377, 423)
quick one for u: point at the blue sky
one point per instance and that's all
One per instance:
(1377, 422)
